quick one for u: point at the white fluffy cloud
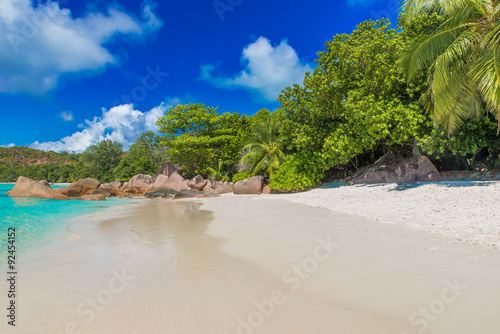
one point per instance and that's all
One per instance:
(269, 69)
(122, 124)
(8, 145)
(66, 116)
(39, 43)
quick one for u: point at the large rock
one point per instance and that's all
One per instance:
(210, 187)
(390, 170)
(197, 183)
(93, 198)
(160, 181)
(26, 187)
(192, 193)
(44, 182)
(100, 191)
(250, 186)
(81, 187)
(223, 187)
(140, 184)
(112, 188)
(168, 169)
(173, 182)
(165, 193)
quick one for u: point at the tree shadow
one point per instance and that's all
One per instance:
(445, 184)
(411, 185)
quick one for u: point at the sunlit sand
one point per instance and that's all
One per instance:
(240, 265)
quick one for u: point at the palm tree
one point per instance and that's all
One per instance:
(263, 152)
(218, 174)
(463, 58)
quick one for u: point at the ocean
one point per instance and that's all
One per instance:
(36, 219)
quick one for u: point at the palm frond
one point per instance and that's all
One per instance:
(426, 49)
(486, 75)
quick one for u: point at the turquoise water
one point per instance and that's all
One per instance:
(35, 219)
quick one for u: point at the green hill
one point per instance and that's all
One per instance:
(25, 156)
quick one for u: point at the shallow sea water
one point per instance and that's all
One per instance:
(36, 219)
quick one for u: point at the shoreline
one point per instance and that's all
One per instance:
(201, 265)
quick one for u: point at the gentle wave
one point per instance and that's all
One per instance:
(36, 219)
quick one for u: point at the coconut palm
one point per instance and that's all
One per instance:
(463, 58)
(263, 152)
(219, 173)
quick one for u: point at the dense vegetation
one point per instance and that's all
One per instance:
(373, 89)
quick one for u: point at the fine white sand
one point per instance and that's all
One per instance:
(237, 265)
(465, 211)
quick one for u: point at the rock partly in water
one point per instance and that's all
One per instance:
(93, 198)
(113, 188)
(140, 184)
(192, 193)
(165, 193)
(174, 182)
(250, 186)
(26, 187)
(391, 170)
(81, 187)
(44, 182)
(197, 183)
(100, 191)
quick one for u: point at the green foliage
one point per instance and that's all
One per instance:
(463, 58)
(145, 156)
(98, 161)
(241, 176)
(40, 165)
(263, 150)
(219, 173)
(53, 172)
(472, 137)
(356, 99)
(199, 138)
(295, 174)
(20, 156)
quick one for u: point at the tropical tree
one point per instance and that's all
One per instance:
(198, 137)
(356, 101)
(99, 160)
(219, 173)
(263, 151)
(145, 156)
(462, 56)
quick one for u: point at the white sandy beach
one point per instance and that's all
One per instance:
(246, 264)
(466, 213)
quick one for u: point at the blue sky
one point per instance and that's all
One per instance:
(75, 72)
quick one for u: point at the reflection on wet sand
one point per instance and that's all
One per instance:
(229, 265)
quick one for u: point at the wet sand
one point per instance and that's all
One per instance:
(240, 265)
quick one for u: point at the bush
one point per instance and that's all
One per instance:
(297, 174)
(241, 176)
